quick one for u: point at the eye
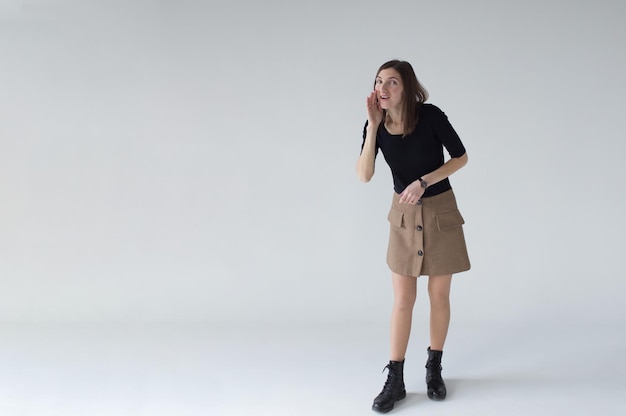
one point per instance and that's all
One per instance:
(379, 81)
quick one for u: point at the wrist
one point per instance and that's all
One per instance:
(373, 126)
(423, 183)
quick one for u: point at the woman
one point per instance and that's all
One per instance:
(426, 234)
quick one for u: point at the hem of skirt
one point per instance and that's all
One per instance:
(454, 271)
(443, 273)
(393, 269)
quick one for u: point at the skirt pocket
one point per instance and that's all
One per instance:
(449, 220)
(396, 217)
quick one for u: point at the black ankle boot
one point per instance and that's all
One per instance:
(393, 389)
(434, 382)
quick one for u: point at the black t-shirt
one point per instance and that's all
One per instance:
(421, 151)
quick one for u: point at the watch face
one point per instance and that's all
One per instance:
(424, 184)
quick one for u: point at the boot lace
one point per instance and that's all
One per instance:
(392, 380)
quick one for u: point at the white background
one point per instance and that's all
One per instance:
(170, 161)
(182, 230)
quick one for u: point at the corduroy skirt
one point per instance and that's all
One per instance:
(426, 239)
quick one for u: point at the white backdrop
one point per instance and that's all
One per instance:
(192, 160)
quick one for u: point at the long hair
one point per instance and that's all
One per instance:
(414, 94)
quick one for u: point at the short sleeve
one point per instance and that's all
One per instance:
(365, 135)
(446, 134)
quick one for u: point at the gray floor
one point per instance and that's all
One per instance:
(182, 370)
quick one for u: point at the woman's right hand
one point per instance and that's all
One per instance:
(374, 112)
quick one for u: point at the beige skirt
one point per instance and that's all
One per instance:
(426, 239)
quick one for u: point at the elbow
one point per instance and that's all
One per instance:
(364, 172)
(364, 177)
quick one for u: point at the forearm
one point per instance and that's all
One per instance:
(446, 170)
(366, 162)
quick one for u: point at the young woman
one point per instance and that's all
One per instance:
(426, 234)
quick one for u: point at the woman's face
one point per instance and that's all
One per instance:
(389, 89)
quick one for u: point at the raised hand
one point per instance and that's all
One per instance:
(374, 112)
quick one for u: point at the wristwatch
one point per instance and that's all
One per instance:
(423, 183)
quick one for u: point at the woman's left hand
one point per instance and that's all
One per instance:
(412, 193)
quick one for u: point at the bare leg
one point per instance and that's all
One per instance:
(405, 292)
(439, 293)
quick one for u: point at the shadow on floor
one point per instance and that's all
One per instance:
(462, 387)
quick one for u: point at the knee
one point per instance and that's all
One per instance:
(404, 302)
(439, 299)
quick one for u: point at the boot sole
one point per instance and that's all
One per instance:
(389, 409)
(436, 397)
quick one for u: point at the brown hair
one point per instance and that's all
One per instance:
(412, 88)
